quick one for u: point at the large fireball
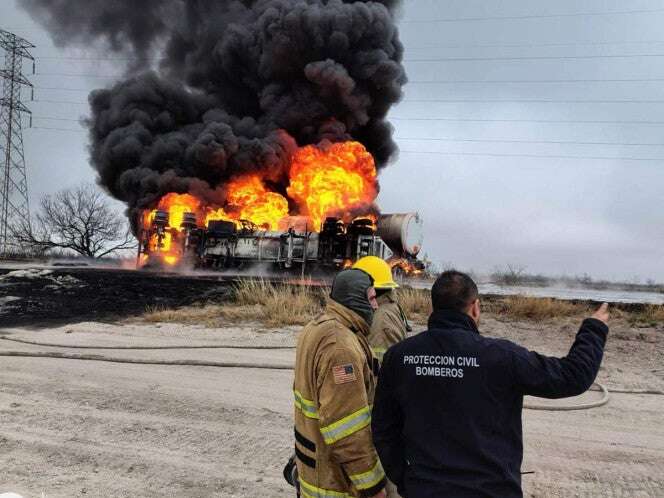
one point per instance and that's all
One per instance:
(249, 199)
(334, 180)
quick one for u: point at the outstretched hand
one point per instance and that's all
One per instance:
(602, 313)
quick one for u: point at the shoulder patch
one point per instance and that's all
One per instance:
(344, 373)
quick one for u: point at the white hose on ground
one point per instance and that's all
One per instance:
(529, 406)
(193, 363)
(580, 406)
(204, 346)
(655, 392)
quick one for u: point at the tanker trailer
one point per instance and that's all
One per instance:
(403, 233)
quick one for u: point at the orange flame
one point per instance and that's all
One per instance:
(329, 180)
(332, 181)
(176, 205)
(408, 267)
(248, 199)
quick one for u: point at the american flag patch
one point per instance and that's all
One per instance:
(343, 373)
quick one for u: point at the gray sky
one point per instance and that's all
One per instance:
(475, 169)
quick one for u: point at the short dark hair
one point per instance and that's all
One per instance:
(453, 290)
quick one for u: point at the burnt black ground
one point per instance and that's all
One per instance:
(79, 294)
(72, 295)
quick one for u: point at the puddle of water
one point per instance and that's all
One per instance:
(608, 295)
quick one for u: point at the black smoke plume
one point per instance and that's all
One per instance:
(215, 89)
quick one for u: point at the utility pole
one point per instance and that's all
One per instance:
(14, 204)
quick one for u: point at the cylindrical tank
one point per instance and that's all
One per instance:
(403, 232)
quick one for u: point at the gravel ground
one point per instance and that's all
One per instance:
(75, 428)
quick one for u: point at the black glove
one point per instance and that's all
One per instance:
(290, 474)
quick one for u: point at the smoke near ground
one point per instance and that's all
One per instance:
(219, 89)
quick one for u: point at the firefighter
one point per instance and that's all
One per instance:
(334, 389)
(447, 414)
(390, 324)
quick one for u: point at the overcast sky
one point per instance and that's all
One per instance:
(489, 173)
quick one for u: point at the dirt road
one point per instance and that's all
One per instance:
(73, 428)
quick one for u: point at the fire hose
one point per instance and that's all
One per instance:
(146, 348)
(580, 406)
(109, 359)
(269, 366)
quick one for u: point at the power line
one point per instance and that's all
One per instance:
(479, 120)
(486, 18)
(537, 156)
(532, 101)
(408, 47)
(56, 119)
(450, 82)
(580, 80)
(57, 129)
(533, 16)
(517, 141)
(76, 75)
(91, 59)
(432, 59)
(546, 156)
(487, 154)
(59, 102)
(530, 45)
(543, 121)
(532, 58)
(63, 89)
(464, 101)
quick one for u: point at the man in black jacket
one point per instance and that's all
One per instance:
(447, 413)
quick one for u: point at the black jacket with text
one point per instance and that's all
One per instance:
(447, 413)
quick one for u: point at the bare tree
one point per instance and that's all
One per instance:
(79, 219)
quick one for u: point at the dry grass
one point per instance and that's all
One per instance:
(253, 300)
(281, 304)
(211, 315)
(256, 300)
(651, 315)
(416, 303)
(536, 308)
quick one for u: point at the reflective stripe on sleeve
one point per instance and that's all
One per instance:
(368, 479)
(347, 425)
(310, 491)
(307, 407)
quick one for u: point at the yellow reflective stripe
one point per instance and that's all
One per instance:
(347, 425)
(379, 352)
(368, 479)
(307, 407)
(310, 491)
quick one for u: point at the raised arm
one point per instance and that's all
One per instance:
(548, 377)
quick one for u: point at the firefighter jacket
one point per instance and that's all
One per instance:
(389, 326)
(447, 415)
(334, 389)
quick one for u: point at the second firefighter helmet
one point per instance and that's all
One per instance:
(379, 270)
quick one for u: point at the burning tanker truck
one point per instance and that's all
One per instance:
(257, 226)
(222, 244)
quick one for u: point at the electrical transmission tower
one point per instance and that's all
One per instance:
(14, 205)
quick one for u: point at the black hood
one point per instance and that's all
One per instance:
(350, 290)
